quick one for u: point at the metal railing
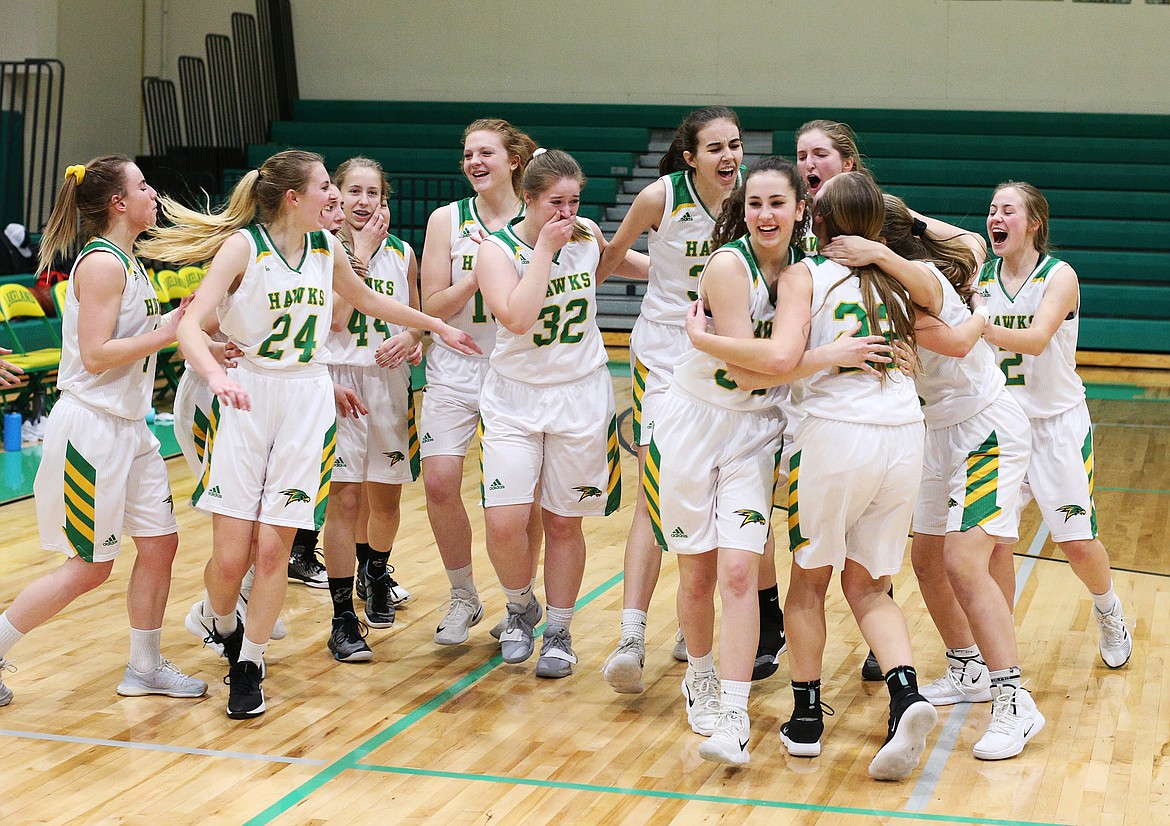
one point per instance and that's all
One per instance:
(30, 138)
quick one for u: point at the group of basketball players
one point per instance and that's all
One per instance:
(802, 334)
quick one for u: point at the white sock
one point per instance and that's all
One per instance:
(734, 694)
(964, 654)
(246, 585)
(1005, 678)
(253, 652)
(633, 624)
(225, 625)
(145, 650)
(205, 608)
(522, 597)
(1106, 603)
(702, 665)
(462, 579)
(559, 617)
(9, 636)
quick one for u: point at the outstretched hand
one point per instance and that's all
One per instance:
(230, 393)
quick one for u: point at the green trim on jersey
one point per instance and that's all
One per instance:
(683, 197)
(518, 244)
(993, 271)
(99, 243)
(1087, 456)
(80, 491)
(266, 246)
(744, 247)
(796, 541)
(467, 215)
(328, 452)
(614, 457)
(980, 505)
(393, 242)
(650, 487)
(317, 242)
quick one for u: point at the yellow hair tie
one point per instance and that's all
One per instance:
(77, 171)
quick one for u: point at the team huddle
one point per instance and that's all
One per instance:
(807, 344)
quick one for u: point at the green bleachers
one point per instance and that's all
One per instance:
(449, 136)
(1062, 203)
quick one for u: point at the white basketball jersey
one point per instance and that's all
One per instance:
(473, 317)
(564, 344)
(704, 376)
(1047, 384)
(953, 389)
(363, 335)
(847, 394)
(120, 391)
(678, 250)
(280, 314)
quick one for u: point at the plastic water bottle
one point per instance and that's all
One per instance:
(12, 425)
(150, 414)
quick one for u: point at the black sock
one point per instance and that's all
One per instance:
(771, 617)
(305, 538)
(363, 554)
(807, 698)
(341, 590)
(376, 566)
(900, 680)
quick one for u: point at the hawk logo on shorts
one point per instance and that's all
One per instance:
(1070, 511)
(587, 491)
(295, 495)
(170, 501)
(951, 503)
(751, 517)
(395, 456)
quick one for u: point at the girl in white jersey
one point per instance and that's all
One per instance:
(271, 444)
(547, 410)
(101, 475)
(699, 170)
(376, 454)
(854, 474)
(977, 449)
(1034, 301)
(495, 154)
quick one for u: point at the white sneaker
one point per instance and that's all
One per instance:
(5, 692)
(464, 611)
(623, 669)
(500, 627)
(1014, 721)
(165, 680)
(680, 647)
(201, 627)
(1116, 643)
(906, 741)
(729, 742)
(701, 692)
(279, 630)
(964, 681)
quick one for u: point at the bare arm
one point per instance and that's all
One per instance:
(99, 282)
(956, 342)
(516, 302)
(1060, 299)
(440, 297)
(644, 215)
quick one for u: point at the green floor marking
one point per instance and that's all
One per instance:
(351, 759)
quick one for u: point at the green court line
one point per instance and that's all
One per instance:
(1134, 490)
(350, 760)
(1121, 392)
(700, 798)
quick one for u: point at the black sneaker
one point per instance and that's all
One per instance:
(871, 672)
(245, 699)
(912, 718)
(768, 653)
(305, 565)
(230, 644)
(347, 642)
(802, 735)
(380, 609)
(361, 583)
(398, 594)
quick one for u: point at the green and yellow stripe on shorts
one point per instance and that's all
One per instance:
(208, 449)
(482, 490)
(650, 487)
(328, 452)
(80, 492)
(638, 374)
(199, 431)
(980, 505)
(614, 458)
(796, 542)
(1087, 456)
(412, 445)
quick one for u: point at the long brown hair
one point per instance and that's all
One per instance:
(1037, 206)
(83, 205)
(686, 137)
(516, 143)
(732, 224)
(195, 236)
(852, 205)
(906, 235)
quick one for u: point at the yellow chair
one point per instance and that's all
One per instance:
(59, 290)
(159, 290)
(175, 286)
(39, 365)
(192, 276)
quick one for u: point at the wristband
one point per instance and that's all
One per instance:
(983, 311)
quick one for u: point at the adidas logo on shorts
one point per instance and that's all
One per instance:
(214, 492)
(427, 437)
(496, 485)
(339, 462)
(113, 540)
(679, 533)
